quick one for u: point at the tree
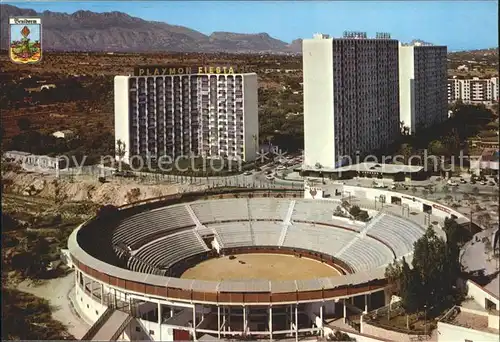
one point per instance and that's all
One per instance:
(120, 149)
(363, 216)
(393, 274)
(339, 336)
(433, 258)
(405, 130)
(410, 290)
(355, 211)
(405, 151)
(24, 124)
(436, 147)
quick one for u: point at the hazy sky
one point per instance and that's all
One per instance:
(467, 24)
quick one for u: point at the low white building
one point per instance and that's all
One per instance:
(29, 160)
(473, 90)
(64, 134)
(475, 320)
(488, 160)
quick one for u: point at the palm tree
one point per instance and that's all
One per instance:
(454, 191)
(120, 149)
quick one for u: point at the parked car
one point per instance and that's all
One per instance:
(270, 177)
(268, 172)
(491, 183)
(452, 183)
(463, 181)
(247, 173)
(483, 182)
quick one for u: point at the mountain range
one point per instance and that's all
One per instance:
(120, 32)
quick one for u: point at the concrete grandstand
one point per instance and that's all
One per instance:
(133, 259)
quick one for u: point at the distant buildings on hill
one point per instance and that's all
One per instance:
(473, 90)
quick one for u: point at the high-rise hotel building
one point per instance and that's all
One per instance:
(351, 101)
(423, 86)
(183, 111)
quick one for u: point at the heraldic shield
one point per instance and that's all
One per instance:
(25, 44)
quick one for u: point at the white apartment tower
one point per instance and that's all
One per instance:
(473, 90)
(422, 86)
(351, 100)
(170, 111)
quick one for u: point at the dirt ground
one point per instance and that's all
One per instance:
(88, 188)
(259, 266)
(56, 291)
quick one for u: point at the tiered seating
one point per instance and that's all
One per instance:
(138, 227)
(317, 238)
(165, 252)
(366, 254)
(221, 210)
(234, 234)
(398, 233)
(313, 210)
(318, 211)
(266, 233)
(268, 208)
(138, 265)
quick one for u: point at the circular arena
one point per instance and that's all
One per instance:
(239, 263)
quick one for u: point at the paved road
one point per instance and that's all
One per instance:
(258, 179)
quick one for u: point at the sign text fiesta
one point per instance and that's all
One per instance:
(175, 70)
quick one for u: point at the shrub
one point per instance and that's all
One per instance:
(107, 211)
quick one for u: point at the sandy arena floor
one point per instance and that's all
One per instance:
(259, 266)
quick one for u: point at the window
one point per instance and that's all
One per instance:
(137, 329)
(97, 313)
(152, 332)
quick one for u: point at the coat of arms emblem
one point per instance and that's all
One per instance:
(25, 44)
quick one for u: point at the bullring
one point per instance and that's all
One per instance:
(135, 257)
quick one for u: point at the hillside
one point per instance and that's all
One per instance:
(119, 32)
